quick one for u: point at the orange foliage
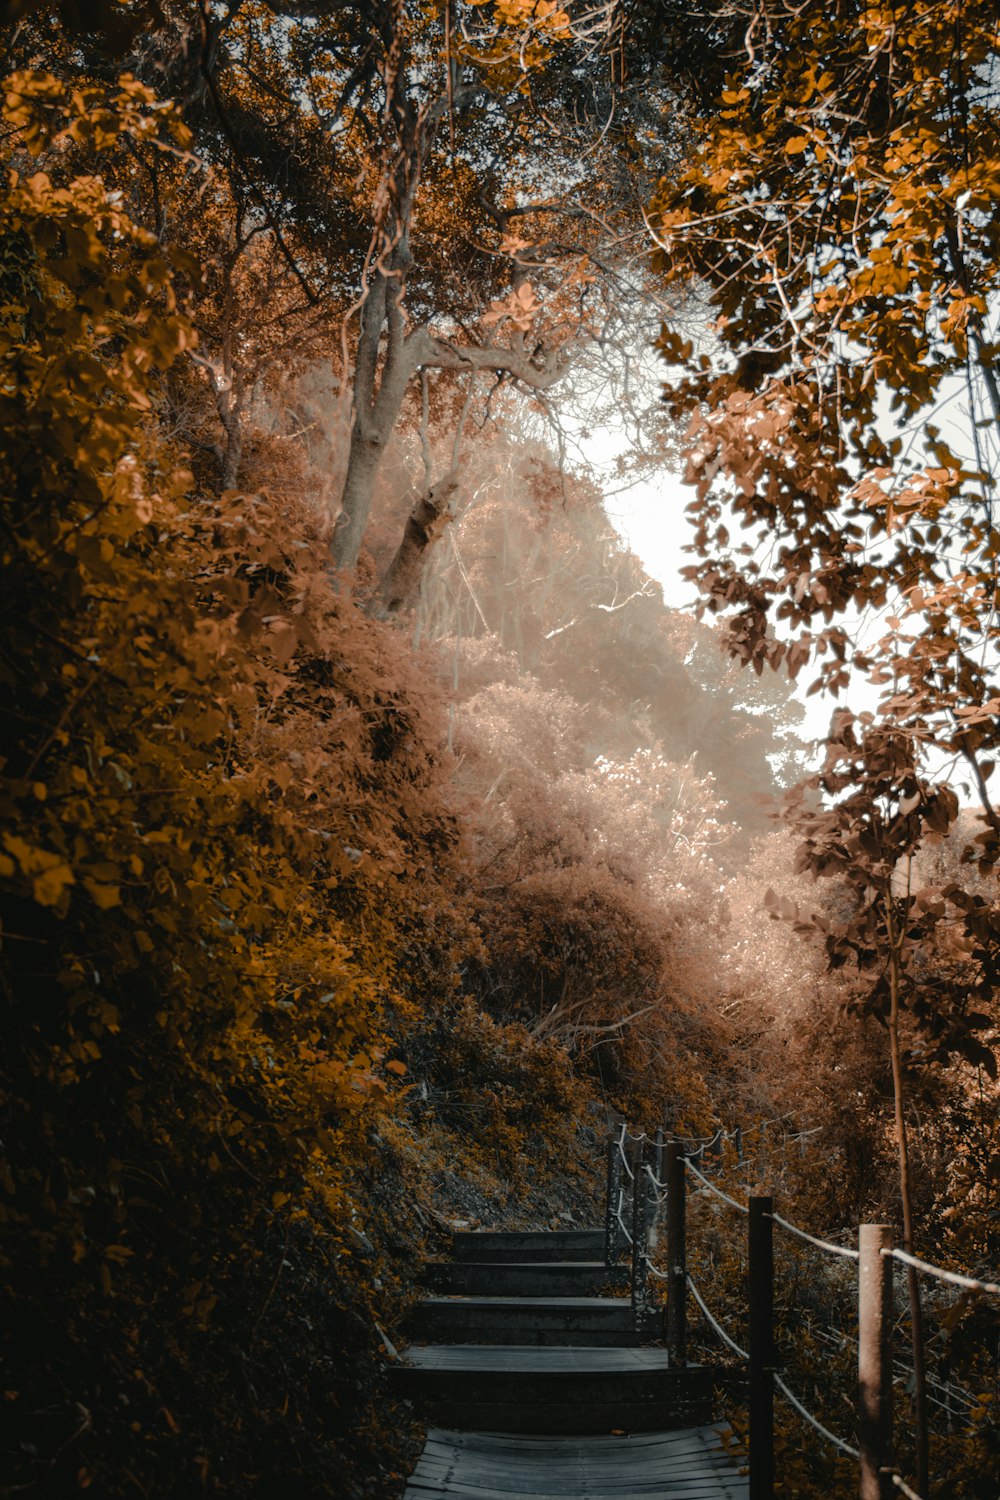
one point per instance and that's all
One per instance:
(224, 858)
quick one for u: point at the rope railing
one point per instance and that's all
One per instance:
(713, 1321)
(697, 1146)
(813, 1420)
(620, 1216)
(780, 1385)
(672, 1181)
(659, 1188)
(897, 1479)
(740, 1207)
(802, 1234)
(954, 1278)
(813, 1239)
(626, 1164)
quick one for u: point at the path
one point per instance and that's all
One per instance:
(537, 1385)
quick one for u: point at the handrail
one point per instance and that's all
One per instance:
(897, 1479)
(619, 1215)
(740, 1207)
(650, 1190)
(713, 1322)
(814, 1421)
(826, 1245)
(969, 1283)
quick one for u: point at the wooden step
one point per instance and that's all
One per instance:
(686, 1464)
(582, 1278)
(528, 1245)
(605, 1322)
(518, 1388)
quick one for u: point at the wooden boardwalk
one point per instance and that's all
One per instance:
(538, 1386)
(687, 1464)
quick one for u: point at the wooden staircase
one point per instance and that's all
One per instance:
(517, 1308)
(533, 1376)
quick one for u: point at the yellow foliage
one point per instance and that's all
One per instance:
(225, 852)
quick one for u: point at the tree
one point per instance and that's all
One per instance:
(841, 225)
(483, 132)
(876, 814)
(839, 214)
(453, 190)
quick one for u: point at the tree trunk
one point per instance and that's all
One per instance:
(922, 1445)
(377, 404)
(424, 525)
(364, 458)
(232, 454)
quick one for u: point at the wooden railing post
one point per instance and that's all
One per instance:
(874, 1361)
(642, 1305)
(673, 1169)
(760, 1277)
(612, 1236)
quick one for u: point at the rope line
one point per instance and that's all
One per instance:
(624, 1155)
(740, 1207)
(954, 1277)
(954, 1395)
(813, 1421)
(826, 1245)
(619, 1216)
(802, 1234)
(660, 1188)
(901, 1484)
(713, 1322)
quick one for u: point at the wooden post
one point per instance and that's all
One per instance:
(612, 1234)
(874, 1361)
(642, 1308)
(676, 1253)
(760, 1276)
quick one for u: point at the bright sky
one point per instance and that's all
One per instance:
(650, 518)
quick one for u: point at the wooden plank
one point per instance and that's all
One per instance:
(713, 1489)
(620, 1450)
(584, 1481)
(705, 1485)
(636, 1461)
(710, 1436)
(536, 1359)
(636, 1458)
(518, 1480)
(527, 1304)
(689, 1464)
